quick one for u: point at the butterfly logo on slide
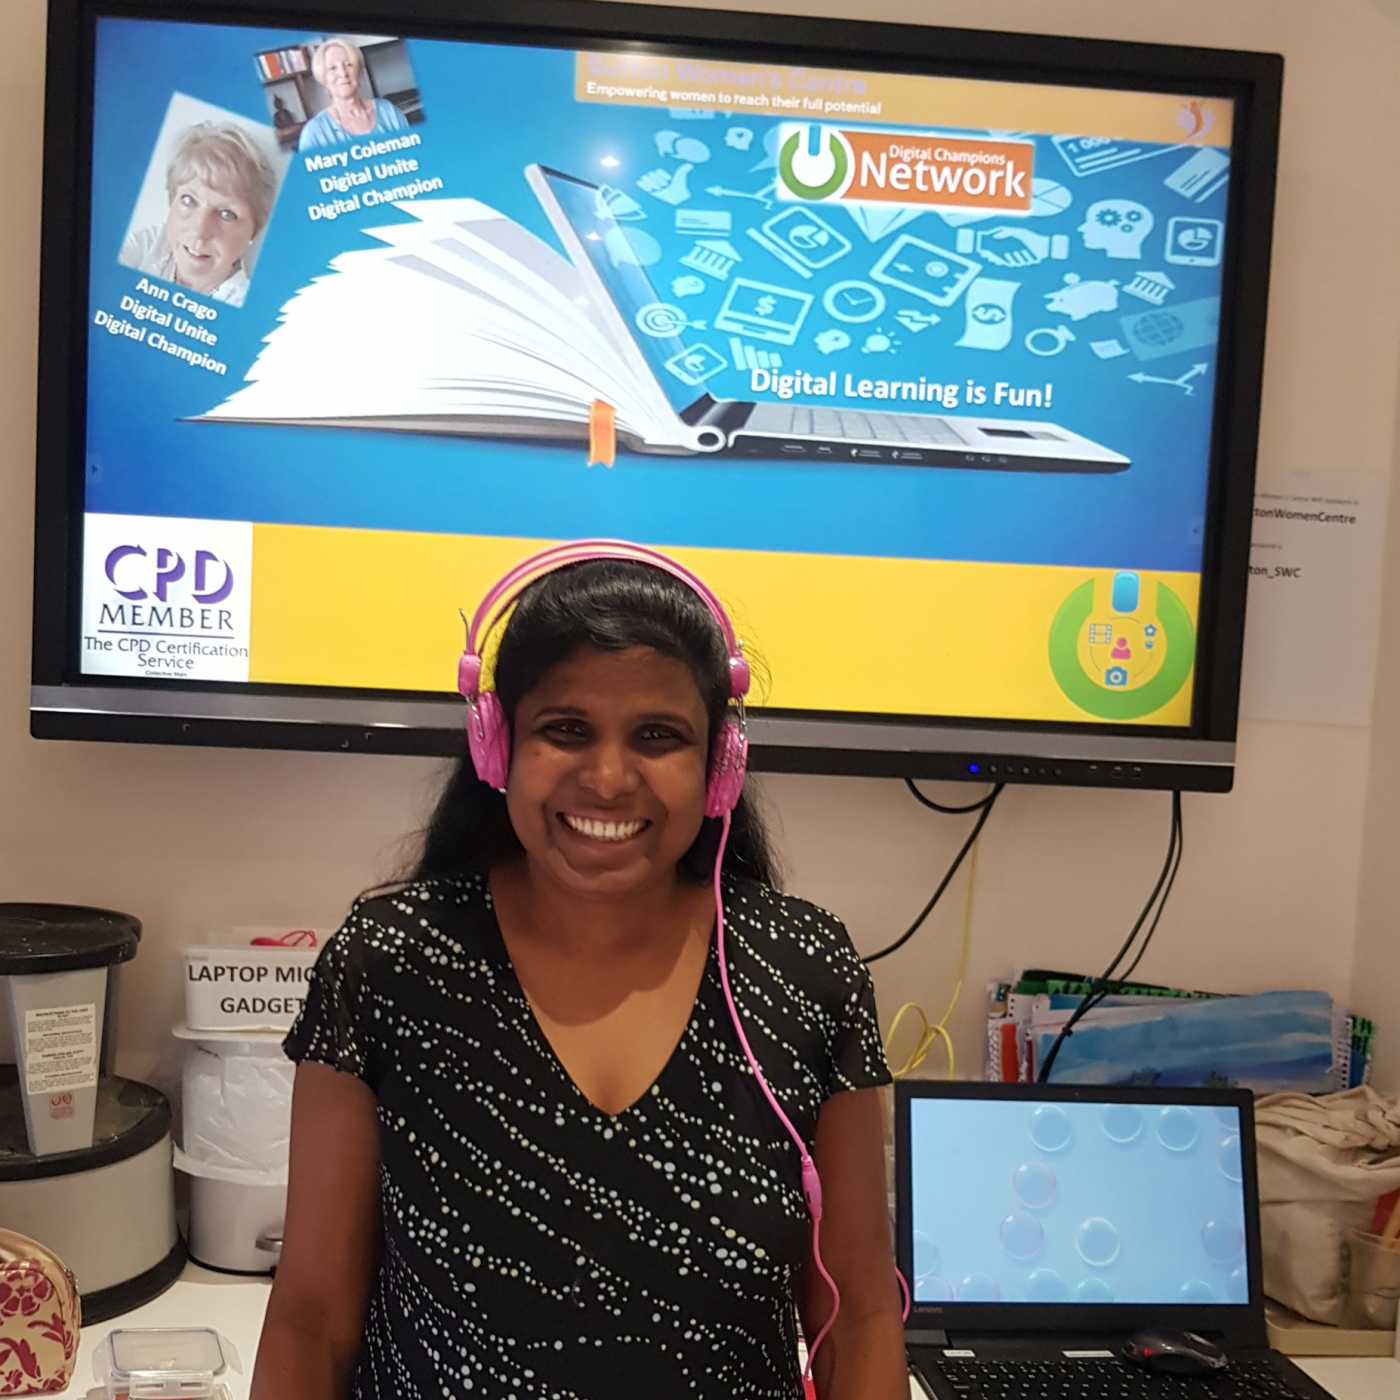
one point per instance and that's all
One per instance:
(814, 162)
(1121, 666)
(1194, 121)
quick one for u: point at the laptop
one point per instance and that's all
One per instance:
(653, 329)
(1041, 1226)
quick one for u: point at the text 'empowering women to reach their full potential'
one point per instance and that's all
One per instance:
(797, 91)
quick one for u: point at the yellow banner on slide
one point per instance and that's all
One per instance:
(667, 81)
(378, 609)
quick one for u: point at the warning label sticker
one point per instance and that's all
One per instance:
(60, 1048)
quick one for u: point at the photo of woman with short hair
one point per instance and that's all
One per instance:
(339, 66)
(221, 187)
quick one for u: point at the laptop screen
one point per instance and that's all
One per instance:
(1018, 1201)
(601, 216)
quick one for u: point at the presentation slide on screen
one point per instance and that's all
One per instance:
(921, 366)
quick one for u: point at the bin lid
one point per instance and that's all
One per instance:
(63, 938)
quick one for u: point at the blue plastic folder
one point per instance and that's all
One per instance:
(1268, 1043)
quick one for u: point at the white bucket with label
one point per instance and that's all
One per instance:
(56, 963)
(258, 985)
(56, 1019)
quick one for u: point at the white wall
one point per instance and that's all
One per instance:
(194, 841)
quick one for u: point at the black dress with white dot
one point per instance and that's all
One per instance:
(537, 1248)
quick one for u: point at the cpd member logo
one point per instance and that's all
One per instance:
(212, 580)
(814, 162)
(166, 597)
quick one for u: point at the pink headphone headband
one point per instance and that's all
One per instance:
(488, 733)
(509, 587)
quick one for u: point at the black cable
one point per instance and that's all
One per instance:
(985, 808)
(953, 811)
(1105, 984)
(1166, 893)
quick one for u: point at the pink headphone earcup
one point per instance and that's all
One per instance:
(727, 776)
(488, 738)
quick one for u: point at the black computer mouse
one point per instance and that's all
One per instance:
(1177, 1353)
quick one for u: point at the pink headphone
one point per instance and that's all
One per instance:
(488, 731)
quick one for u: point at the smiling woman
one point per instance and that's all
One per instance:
(221, 190)
(339, 66)
(531, 1154)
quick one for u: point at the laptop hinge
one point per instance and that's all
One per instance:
(925, 1337)
(728, 415)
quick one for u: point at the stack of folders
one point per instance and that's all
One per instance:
(1168, 1036)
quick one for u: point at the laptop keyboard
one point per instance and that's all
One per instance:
(841, 425)
(1104, 1379)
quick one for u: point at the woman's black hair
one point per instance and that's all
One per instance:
(607, 605)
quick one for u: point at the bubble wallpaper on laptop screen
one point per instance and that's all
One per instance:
(1023, 1202)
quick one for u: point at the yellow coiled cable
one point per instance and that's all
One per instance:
(931, 1034)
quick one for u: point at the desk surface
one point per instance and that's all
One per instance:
(234, 1306)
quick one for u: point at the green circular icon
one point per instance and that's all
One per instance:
(840, 165)
(1087, 693)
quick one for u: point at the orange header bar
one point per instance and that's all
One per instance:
(780, 90)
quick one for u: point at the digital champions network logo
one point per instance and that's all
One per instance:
(822, 164)
(1121, 656)
(1195, 121)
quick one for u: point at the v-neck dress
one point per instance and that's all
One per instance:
(537, 1248)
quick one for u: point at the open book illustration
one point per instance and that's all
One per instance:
(461, 321)
(485, 330)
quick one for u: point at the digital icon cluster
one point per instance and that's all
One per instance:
(1103, 284)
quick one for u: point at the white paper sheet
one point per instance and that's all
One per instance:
(1314, 596)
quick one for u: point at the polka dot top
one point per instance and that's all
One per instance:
(537, 1248)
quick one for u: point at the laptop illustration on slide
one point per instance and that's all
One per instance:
(1043, 1227)
(586, 221)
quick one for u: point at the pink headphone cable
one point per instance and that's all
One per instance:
(811, 1182)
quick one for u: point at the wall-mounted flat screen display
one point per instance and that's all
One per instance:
(924, 372)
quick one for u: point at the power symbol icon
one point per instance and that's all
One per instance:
(817, 167)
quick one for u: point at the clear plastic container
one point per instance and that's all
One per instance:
(1370, 1280)
(164, 1363)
